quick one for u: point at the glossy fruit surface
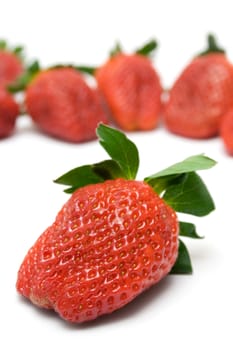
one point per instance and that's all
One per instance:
(109, 242)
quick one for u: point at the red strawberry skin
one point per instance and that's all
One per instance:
(9, 111)
(10, 67)
(110, 242)
(200, 96)
(132, 90)
(62, 104)
(226, 131)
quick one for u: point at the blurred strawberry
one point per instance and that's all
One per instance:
(11, 64)
(226, 131)
(9, 110)
(131, 88)
(201, 95)
(62, 104)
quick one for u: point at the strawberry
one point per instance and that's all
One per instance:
(131, 88)
(115, 236)
(9, 111)
(226, 131)
(60, 102)
(11, 65)
(201, 95)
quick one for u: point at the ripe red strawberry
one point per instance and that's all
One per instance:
(9, 111)
(62, 104)
(115, 237)
(132, 89)
(226, 131)
(109, 242)
(201, 95)
(11, 66)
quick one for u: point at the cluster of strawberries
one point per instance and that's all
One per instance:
(128, 94)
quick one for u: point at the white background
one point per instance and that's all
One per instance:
(182, 312)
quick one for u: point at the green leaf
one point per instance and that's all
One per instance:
(183, 263)
(121, 150)
(116, 50)
(108, 169)
(3, 44)
(89, 174)
(188, 229)
(22, 82)
(182, 188)
(161, 184)
(19, 51)
(148, 48)
(79, 177)
(124, 162)
(34, 67)
(190, 196)
(190, 164)
(86, 69)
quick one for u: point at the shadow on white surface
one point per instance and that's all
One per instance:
(135, 307)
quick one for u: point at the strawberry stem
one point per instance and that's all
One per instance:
(116, 50)
(212, 47)
(148, 48)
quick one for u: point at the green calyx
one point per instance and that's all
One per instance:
(16, 50)
(83, 69)
(24, 80)
(179, 185)
(146, 50)
(124, 161)
(34, 68)
(212, 46)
